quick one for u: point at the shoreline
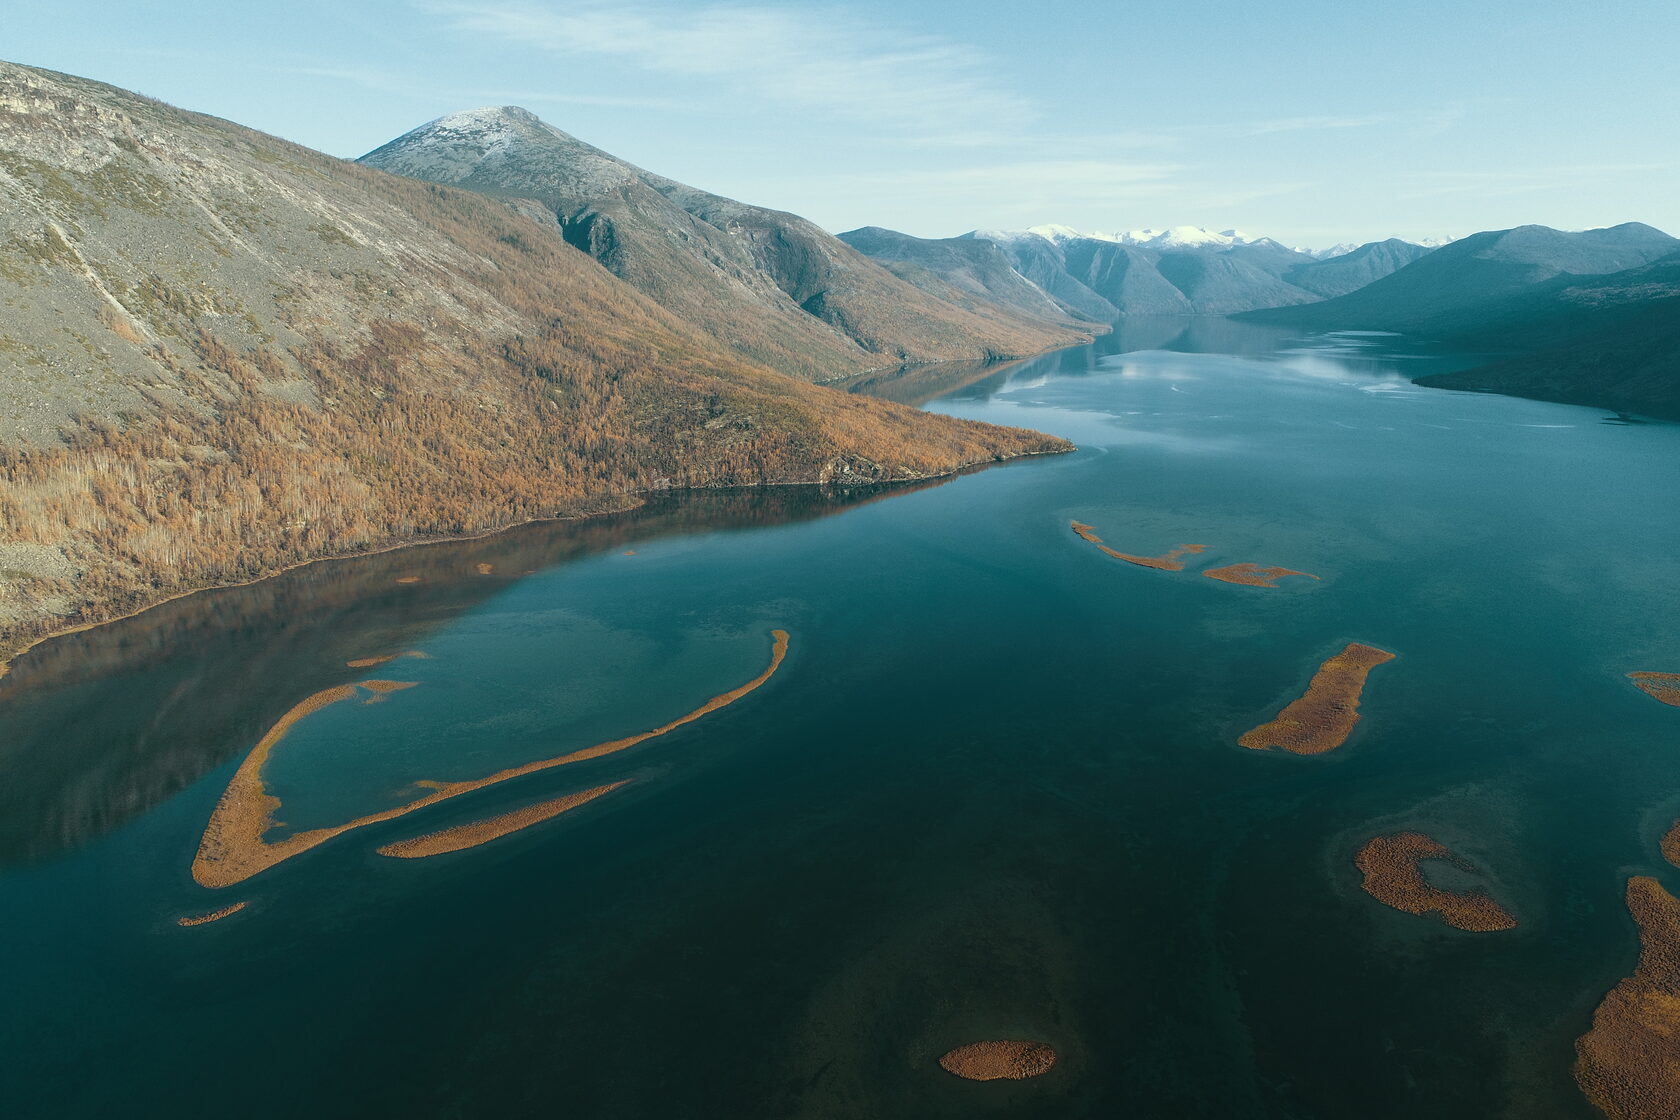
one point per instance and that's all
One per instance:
(625, 502)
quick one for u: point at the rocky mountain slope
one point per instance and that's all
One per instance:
(775, 287)
(1347, 272)
(1611, 341)
(1590, 317)
(977, 268)
(1182, 271)
(222, 354)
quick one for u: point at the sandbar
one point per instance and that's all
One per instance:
(1014, 1059)
(370, 662)
(213, 916)
(408, 579)
(485, 569)
(1664, 687)
(1323, 717)
(1628, 1064)
(473, 834)
(1394, 877)
(233, 849)
(1169, 562)
(1253, 575)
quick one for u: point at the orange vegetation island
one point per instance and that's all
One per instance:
(1664, 687)
(1628, 1064)
(1323, 717)
(1671, 844)
(1169, 562)
(472, 835)
(213, 916)
(370, 662)
(233, 847)
(1392, 866)
(1014, 1059)
(1253, 575)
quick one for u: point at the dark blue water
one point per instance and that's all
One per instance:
(994, 791)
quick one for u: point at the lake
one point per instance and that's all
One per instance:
(993, 790)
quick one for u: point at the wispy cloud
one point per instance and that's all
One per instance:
(813, 60)
(1504, 184)
(1429, 120)
(383, 81)
(1028, 190)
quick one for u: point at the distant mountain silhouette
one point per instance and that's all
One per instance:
(1186, 271)
(1465, 290)
(1339, 275)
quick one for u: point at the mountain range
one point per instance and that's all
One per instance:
(224, 354)
(772, 285)
(1585, 318)
(1182, 271)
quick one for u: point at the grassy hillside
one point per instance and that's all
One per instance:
(222, 354)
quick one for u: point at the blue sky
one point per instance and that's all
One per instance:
(1308, 120)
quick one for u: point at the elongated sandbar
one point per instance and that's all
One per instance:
(475, 833)
(1628, 1064)
(1014, 1059)
(1170, 562)
(1323, 717)
(233, 849)
(1664, 687)
(213, 916)
(1253, 575)
(1394, 877)
(370, 662)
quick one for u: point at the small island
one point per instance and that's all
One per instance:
(1323, 717)
(1628, 1064)
(471, 835)
(1168, 562)
(1011, 1059)
(1253, 575)
(213, 916)
(1392, 866)
(1662, 687)
(233, 847)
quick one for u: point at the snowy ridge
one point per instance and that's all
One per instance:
(1178, 237)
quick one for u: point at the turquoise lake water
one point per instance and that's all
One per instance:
(994, 791)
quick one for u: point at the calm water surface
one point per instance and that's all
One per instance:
(994, 791)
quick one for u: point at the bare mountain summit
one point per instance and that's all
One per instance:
(775, 287)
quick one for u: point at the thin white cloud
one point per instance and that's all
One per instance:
(811, 59)
(1021, 193)
(383, 81)
(1504, 184)
(1429, 120)
(1317, 123)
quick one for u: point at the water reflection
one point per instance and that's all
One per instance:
(1338, 354)
(104, 724)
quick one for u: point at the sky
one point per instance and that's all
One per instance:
(1312, 121)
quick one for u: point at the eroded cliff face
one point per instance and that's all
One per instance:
(222, 354)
